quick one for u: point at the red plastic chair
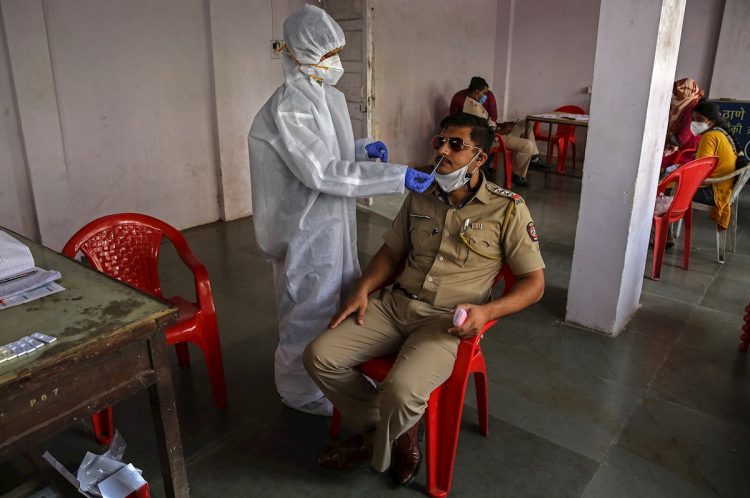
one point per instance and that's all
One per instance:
(564, 136)
(684, 156)
(446, 404)
(502, 149)
(687, 178)
(126, 246)
(745, 337)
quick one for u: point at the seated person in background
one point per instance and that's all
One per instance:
(715, 140)
(685, 96)
(524, 149)
(454, 239)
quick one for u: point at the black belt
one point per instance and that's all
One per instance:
(406, 292)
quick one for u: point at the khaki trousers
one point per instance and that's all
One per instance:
(426, 353)
(523, 148)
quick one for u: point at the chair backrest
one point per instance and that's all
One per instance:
(501, 143)
(684, 156)
(739, 183)
(572, 109)
(563, 130)
(126, 247)
(688, 178)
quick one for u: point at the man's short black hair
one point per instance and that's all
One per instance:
(478, 83)
(481, 133)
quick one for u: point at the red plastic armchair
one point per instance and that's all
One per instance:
(687, 178)
(563, 137)
(126, 246)
(502, 149)
(446, 404)
(684, 156)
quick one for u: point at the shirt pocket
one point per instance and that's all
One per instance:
(482, 246)
(420, 233)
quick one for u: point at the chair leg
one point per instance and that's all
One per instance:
(104, 426)
(211, 347)
(508, 170)
(677, 229)
(660, 243)
(442, 427)
(721, 244)
(480, 384)
(562, 151)
(335, 424)
(745, 337)
(688, 234)
(183, 354)
(732, 235)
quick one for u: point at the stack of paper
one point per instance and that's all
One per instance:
(20, 280)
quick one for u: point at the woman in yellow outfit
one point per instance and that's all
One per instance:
(715, 140)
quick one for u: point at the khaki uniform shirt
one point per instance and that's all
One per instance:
(453, 253)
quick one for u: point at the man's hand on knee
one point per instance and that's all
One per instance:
(356, 303)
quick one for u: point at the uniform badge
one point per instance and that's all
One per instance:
(532, 232)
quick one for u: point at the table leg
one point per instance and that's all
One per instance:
(549, 150)
(166, 425)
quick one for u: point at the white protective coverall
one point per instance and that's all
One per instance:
(305, 179)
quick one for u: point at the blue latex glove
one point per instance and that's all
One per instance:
(377, 150)
(417, 181)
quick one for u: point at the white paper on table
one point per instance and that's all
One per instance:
(15, 257)
(36, 277)
(31, 295)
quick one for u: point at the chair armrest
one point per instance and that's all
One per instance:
(200, 275)
(736, 172)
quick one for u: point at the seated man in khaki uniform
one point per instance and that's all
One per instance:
(454, 239)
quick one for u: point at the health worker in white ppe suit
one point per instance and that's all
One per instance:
(306, 171)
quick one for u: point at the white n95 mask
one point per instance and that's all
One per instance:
(453, 181)
(328, 71)
(698, 127)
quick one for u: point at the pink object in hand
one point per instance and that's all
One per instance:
(459, 317)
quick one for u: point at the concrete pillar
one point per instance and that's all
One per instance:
(636, 56)
(39, 116)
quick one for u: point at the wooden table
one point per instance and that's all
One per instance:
(110, 345)
(558, 119)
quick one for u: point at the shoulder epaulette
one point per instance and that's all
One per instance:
(495, 189)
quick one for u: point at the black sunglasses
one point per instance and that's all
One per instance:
(456, 144)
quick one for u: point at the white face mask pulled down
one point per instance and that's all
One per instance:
(453, 181)
(328, 71)
(699, 127)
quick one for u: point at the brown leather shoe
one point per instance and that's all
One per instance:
(407, 457)
(345, 454)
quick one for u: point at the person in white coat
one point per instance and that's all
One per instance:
(306, 171)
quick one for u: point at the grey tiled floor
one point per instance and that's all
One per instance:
(660, 410)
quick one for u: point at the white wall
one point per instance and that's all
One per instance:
(731, 75)
(245, 77)
(700, 36)
(553, 54)
(16, 205)
(134, 92)
(424, 52)
(151, 103)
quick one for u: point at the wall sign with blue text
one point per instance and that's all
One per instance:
(737, 113)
